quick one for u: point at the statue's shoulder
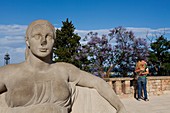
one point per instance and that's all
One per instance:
(63, 64)
(10, 68)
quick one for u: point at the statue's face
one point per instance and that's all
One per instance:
(41, 40)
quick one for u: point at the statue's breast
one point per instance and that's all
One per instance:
(37, 92)
(19, 95)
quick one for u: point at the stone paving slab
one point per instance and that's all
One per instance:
(156, 104)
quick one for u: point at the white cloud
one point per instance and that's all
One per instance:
(12, 29)
(12, 39)
(142, 32)
(100, 32)
(12, 42)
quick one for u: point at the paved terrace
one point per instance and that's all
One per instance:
(158, 88)
(156, 104)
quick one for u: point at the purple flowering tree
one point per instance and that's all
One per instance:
(98, 51)
(127, 49)
(123, 50)
(118, 48)
(141, 48)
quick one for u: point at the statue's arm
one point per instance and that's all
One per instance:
(85, 79)
(103, 88)
(2, 84)
(2, 88)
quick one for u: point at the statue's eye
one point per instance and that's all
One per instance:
(49, 37)
(37, 37)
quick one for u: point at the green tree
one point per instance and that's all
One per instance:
(66, 44)
(160, 52)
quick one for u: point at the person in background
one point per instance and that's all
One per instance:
(142, 71)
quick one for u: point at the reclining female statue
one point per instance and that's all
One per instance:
(39, 86)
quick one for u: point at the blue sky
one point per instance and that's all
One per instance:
(140, 16)
(88, 14)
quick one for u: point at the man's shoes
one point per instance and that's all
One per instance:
(139, 99)
(146, 100)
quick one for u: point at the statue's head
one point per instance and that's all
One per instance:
(40, 36)
(39, 23)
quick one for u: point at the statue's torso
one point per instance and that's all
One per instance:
(30, 88)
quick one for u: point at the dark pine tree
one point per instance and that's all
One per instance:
(160, 54)
(66, 44)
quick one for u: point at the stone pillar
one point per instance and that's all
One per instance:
(118, 87)
(126, 87)
(110, 83)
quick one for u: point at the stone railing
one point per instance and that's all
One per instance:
(127, 87)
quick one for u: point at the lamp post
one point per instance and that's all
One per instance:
(6, 59)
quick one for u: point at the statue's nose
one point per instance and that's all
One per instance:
(43, 41)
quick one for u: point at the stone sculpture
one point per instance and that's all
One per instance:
(39, 86)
